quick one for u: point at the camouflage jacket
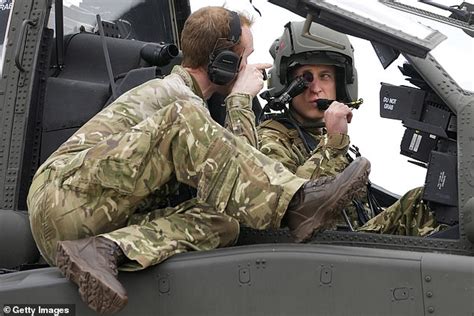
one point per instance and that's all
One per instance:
(142, 102)
(408, 216)
(284, 144)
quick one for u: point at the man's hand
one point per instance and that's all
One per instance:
(336, 117)
(250, 79)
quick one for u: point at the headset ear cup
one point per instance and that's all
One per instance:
(223, 67)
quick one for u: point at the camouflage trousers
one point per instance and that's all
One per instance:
(409, 216)
(96, 191)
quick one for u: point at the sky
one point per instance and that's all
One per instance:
(378, 139)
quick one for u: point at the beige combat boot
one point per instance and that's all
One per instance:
(319, 202)
(92, 264)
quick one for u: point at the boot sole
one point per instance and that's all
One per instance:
(94, 291)
(355, 187)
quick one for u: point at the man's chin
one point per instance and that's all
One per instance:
(316, 117)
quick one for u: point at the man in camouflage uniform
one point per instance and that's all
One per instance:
(93, 202)
(296, 138)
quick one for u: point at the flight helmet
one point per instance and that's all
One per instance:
(324, 46)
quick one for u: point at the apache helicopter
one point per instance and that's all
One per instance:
(63, 63)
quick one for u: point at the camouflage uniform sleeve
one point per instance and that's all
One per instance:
(277, 146)
(240, 119)
(329, 158)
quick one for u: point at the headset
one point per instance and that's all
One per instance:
(224, 64)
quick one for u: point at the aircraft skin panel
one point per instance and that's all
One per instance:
(448, 285)
(275, 279)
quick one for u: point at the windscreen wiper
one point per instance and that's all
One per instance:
(459, 11)
(462, 15)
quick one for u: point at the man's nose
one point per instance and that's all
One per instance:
(315, 86)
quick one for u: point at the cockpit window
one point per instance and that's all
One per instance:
(144, 20)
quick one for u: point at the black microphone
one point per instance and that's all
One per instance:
(323, 104)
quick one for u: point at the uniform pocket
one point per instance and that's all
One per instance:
(66, 174)
(116, 163)
(220, 172)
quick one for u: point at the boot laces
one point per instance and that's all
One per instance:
(321, 181)
(113, 254)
